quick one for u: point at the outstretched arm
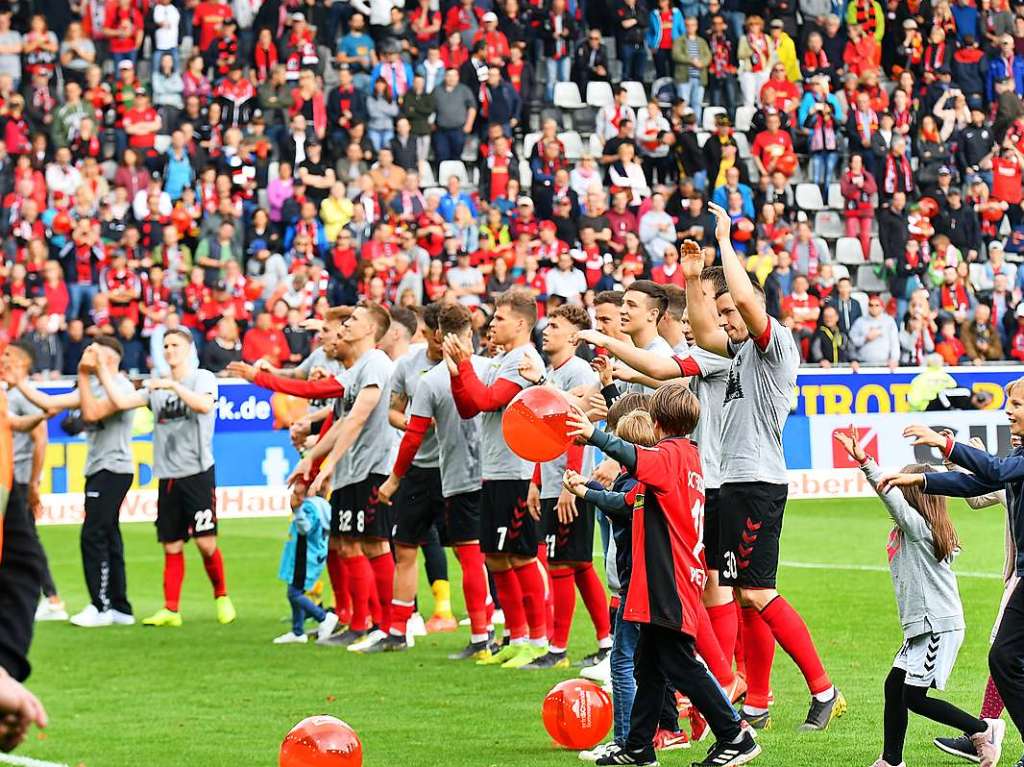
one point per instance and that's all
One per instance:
(648, 363)
(470, 394)
(321, 388)
(702, 312)
(122, 400)
(51, 402)
(749, 304)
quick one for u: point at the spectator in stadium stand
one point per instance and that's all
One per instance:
(590, 62)
(981, 338)
(875, 338)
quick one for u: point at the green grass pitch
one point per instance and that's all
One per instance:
(207, 694)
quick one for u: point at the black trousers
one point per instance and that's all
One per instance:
(667, 657)
(49, 588)
(1006, 657)
(19, 587)
(102, 548)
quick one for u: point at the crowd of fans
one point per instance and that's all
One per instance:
(237, 167)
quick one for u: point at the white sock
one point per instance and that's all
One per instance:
(518, 641)
(825, 695)
(754, 711)
(542, 642)
(477, 638)
(556, 650)
(604, 644)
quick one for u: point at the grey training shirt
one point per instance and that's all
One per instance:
(182, 438)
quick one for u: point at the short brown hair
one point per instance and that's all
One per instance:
(629, 401)
(637, 427)
(179, 332)
(655, 293)
(519, 301)
(716, 276)
(675, 409)
(613, 297)
(406, 318)
(380, 317)
(454, 318)
(111, 343)
(574, 314)
(676, 301)
(432, 315)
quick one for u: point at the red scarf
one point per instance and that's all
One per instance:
(907, 181)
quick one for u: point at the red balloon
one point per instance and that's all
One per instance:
(577, 714)
(534, 424)
(992, 214)
(321, 741)
(253, 289)
(61, 223)
(787, 164)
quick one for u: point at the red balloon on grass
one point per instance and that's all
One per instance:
(577, 714)
(534, 424)
(321, 741)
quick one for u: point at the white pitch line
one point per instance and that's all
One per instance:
(25, 761)
(876, 569)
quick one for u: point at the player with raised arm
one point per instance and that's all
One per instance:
(321, 385)
(109, 470)
(184, 411)
(754, 482)
(509, 532)
(643, 305)
(28, 424)
(568, 522)
(433, 410)
(707, 373)
(354, 457)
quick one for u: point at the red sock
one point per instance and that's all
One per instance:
(400, 614)
(759, 645)
(709, 649)
(594, 598)
(549, 602)
(360, 578)
(339, 585)
(384, 576)
(992, 706)
(725, 624)
(564, 591)
(174, 574)
(511, 596)
(740, 653)
(474, 586)
(214, 565)
(791, 633)
(534, 588)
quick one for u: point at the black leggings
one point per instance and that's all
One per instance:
(901, 697)
(1006, 657)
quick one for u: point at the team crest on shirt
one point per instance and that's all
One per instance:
(733, 389)
(638, 502)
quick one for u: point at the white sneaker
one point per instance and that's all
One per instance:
(119, 618)
(292, 638)
(326, 627)
(91, 618)
(597, 752)
(600, 672)
(51, 611)
(416, 627)
(498, 617)
(369, 641)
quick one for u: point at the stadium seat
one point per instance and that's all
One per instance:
(744, 118)
(427, 175)
(742, 145)
(525, 174)
(839, 270)
(529, 142)
(808, 197)
(573, 144)
(596, 147)
(451, 168)
(829, 224)
(567, 96)
(272, 170)
(876, 255)
(868, 281)
(849, 251)
(161, 143)
(835, 196)
(977, 277)
(702, 138)
(636, 94)
(710, 115)
(470, 150)
(861, 298)
(664, 90)
(599, 94)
